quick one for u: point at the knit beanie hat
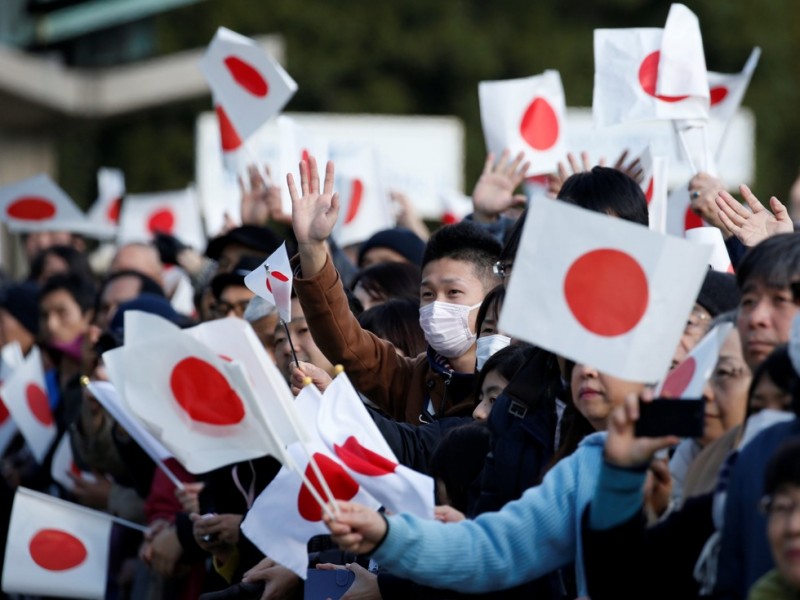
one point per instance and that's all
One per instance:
(719, 293)
(22, 301)
(403, 241)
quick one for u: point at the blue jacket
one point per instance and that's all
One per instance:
(528, 538)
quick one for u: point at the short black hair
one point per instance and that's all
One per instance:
(389, 280)
(76, 262)
(775, 262)
(467, 242)
(493, 299)
(506, 362)
(778, 367)
(458, 461)
(80, 288)
(783, 469)
(609, 191)
(396, 320)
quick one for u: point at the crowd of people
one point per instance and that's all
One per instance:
(543, 490)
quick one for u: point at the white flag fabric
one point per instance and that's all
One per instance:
(657, 200)
(364, 204)
(246, 80)
(626, 76)
(680, 217)
(688, 378)
(526, 115)
(25, 396)
(297, 143)
(348, 431)
(682, 62)
(106, 394)
(55, 548)
(38, 204)
(602, 291)
(10, 358)
(720, 259)
(175, 213)
(727, 90)
(272, 281)
(198, 405)
(64, 462)
(285, 515)
(111, 190)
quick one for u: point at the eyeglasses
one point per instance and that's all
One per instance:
(698, 323)
(778, 507)
(502, 269)
(222, 309)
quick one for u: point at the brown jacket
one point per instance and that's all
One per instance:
(401, 386)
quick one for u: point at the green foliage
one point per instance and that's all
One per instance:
(423, 57)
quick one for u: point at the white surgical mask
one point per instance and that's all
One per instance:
(488, 345)
(446, 327)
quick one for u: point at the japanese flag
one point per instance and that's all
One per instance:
(111, 190)
(198, 405)
(525, 115)
(245, 80)
(680, 217)
(654, 186)
(272, 281)
(234, 339)
(688, 378)
(350, 433)
(711, 236)
(38, 204)
(25, 396)
(10, 358)
(175, 213)
(285, 515)
(296, 144)
(456, 206)
(626, 77)
(55, 548)
(365, 206)
(727, 91)
(602, 291)
(64, 463)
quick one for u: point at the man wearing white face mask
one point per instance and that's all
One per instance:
(457, 272)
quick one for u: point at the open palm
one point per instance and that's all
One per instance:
(314, 213)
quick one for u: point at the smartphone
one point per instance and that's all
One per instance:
(669, 416)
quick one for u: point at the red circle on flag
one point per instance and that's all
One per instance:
(539, 126)
(56, 550)
(113, 210)
(648, 195)
(363, 460)
(161, 221)
(679, 379)
(304, 155)
(247, 76)
(31, 208)
(607, 291)
(356, 192)
(38, 404)
(692, 220)
(718, 94)
(230, 139)
(648, 77)
(343, 487)
(3, 412)
(204, 393)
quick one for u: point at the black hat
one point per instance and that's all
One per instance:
(21, 300)
(235, 277)
(403, 241)
(719, 293)
(261, 239)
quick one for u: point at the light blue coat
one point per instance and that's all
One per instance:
(528, 538)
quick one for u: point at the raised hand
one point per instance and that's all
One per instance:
(557, 179)
(623, 448)
(633, 169)
(494, 192)
(703, 191)
(754, 225)
(357, 528)
(262, 201)
(314, 214)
